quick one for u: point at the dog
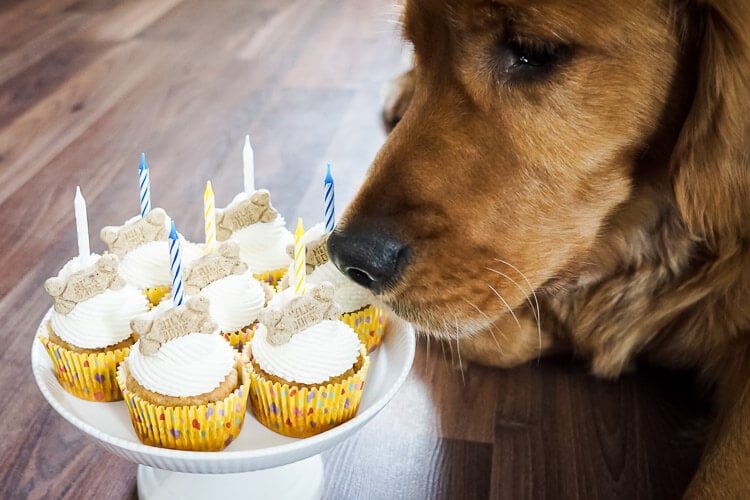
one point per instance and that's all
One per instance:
(572, 175)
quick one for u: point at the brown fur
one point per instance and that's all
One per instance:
(614, 192)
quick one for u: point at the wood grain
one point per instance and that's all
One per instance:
(86, 85)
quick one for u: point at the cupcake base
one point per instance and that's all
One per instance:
(240, 338)
(86, 375)
(271, 277)
(303, 411)
(206, 427)
(155, 294)
(369, 323)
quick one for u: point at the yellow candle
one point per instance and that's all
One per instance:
(209, 213)
(300, 265)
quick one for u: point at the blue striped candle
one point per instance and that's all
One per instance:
(175, 266)
(329, 209)
(145, 186)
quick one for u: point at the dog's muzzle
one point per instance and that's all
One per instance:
(369, 257)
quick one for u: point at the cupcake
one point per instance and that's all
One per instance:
(142, 244)
(88, 332)
(235, 296)
(307, 369)
(358, 305)
(185, 387)
(260, 231)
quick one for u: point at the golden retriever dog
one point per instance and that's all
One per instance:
(573, 174)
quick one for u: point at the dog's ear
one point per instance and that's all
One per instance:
(711, 161)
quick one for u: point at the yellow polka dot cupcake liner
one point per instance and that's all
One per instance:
(155, 294)
(271, 277)
(306, 411)
(208, 427)
(369, 323)
(89, 376)
(241, 338)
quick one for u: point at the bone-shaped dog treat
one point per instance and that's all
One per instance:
(122, 239)
(84, 284)
(214, 266)
(316, 253)
(191, 317)
(299, 313)
(255, 209)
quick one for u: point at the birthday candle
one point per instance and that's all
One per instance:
(248, 166)
(329, 208)
(209, 214)
(175, 266)
(300, 266)
(82, 227)
(145, 186)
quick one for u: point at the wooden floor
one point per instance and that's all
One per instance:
(86, 85)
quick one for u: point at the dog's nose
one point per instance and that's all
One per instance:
(370, 258)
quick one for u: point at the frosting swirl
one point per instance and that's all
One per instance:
(234, 301)
(147, 266)
(74, 265)
(191, 365)
(102, 320)
(312, 356)
(263, 244)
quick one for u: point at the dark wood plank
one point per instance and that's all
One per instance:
(32, 29)
(26, 88)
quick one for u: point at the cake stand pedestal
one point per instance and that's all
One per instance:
(307, 483)
(259, 463)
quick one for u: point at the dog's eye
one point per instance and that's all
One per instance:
(531, 56)
(531, 59)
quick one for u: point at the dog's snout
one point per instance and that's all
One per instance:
(370, 258)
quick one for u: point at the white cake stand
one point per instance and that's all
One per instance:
(259, 463)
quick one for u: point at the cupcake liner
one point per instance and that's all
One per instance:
(369, 323)
(271, 277)
(89, 376)
(305, 411)
(240, 338)
(155, 294)
(207, 427)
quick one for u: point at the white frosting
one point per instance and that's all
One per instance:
(74, 265)
(191, 365)
(312, 356)
(147, 266)
(315, 232)
(347, 295)
(234, 301)
(263, 244)
(101, 321)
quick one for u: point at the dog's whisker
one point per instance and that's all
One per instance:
(442, 347)
(450, 341)
(489, 321)
(428, 348)
(534, 307)
(458, 350)
(507, 306)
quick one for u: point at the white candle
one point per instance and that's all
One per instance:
(248, 166)
(82, 227)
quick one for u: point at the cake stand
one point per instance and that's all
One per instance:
(259, 463)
